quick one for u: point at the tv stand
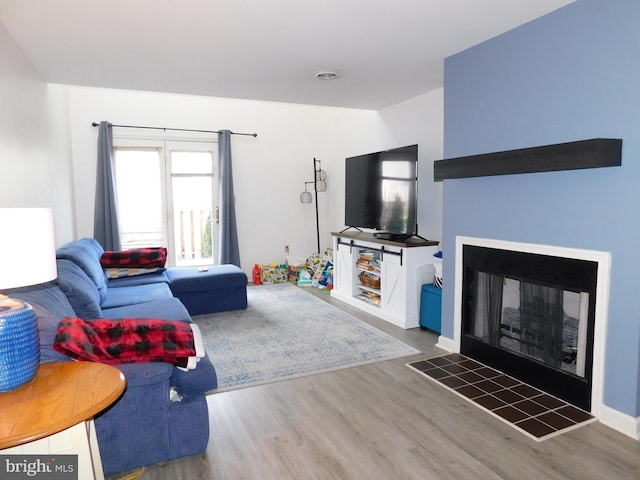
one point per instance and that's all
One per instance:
(382, 277)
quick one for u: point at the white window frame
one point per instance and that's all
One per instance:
(164, 143)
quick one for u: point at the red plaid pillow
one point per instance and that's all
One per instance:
(153, 257)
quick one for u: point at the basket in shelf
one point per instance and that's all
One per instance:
(369, 280)
(369, 297)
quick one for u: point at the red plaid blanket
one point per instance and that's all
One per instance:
(126, 340)
(135, 258)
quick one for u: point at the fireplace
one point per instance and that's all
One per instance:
(535, 312)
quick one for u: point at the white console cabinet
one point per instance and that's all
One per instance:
(382, 277)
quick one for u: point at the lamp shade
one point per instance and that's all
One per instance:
(27, 247)
(321, 175)
(27, 257)
(305, 197)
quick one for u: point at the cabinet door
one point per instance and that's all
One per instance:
(343, 267)
(394, 284)
(79, 440)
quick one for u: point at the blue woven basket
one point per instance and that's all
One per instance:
(19, 344)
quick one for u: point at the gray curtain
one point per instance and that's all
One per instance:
(105, 226)
(228, 251)
(488, 314)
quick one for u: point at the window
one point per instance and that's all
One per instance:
(166, 197)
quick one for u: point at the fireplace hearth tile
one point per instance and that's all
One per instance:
(489, 386)
(471, 364)
(422, 365)
(471, 377)
(506, 381)
(489, 402)
(453, 382)
(454, 368)
(549, 401)
(511, 414)
(529, 410)
(487, 372)
(526, 391)
(436, 373)
(469, 391)
(556, 420)
(439, 361)
(536, 428)
(508, 396)
(573, 413)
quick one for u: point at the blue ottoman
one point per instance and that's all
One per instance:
(431, 308)
(218, 289)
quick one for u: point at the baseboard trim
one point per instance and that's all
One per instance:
(621, 422)
(446, 344)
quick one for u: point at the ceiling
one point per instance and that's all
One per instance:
(386, 51)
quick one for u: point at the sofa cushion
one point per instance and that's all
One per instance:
(50, 305)
(190, 279)
(113, 273)
(167, 308)
(85, 254)
(121, 296)
(156, 277)
(217, 289)
(79, 289)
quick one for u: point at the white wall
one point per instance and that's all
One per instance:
(420, 120)
(35, 167)
(270, 170)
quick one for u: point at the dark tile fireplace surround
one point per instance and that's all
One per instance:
(529, 334)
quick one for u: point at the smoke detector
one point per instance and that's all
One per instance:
(327, 75)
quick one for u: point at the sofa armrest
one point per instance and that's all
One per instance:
(141, 374)
(134, 430)
(166, 308)
(196, 382)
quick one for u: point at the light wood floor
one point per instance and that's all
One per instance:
(385, 421)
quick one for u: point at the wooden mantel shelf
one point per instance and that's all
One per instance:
(594, 153)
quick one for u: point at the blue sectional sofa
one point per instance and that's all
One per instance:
(145, 426)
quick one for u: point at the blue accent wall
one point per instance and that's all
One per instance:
(573, 74)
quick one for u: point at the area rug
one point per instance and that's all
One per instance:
(287, 332)
(531, 411)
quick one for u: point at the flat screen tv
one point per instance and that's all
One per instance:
(381, 191)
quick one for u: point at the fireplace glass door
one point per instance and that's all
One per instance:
(537, 321)
(527, 317)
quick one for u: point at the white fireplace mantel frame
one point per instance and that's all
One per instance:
(603, 259)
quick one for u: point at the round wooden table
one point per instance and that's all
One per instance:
(60, 396)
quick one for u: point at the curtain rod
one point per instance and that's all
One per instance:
(94, 124)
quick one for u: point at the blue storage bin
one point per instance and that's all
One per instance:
(431, 307)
